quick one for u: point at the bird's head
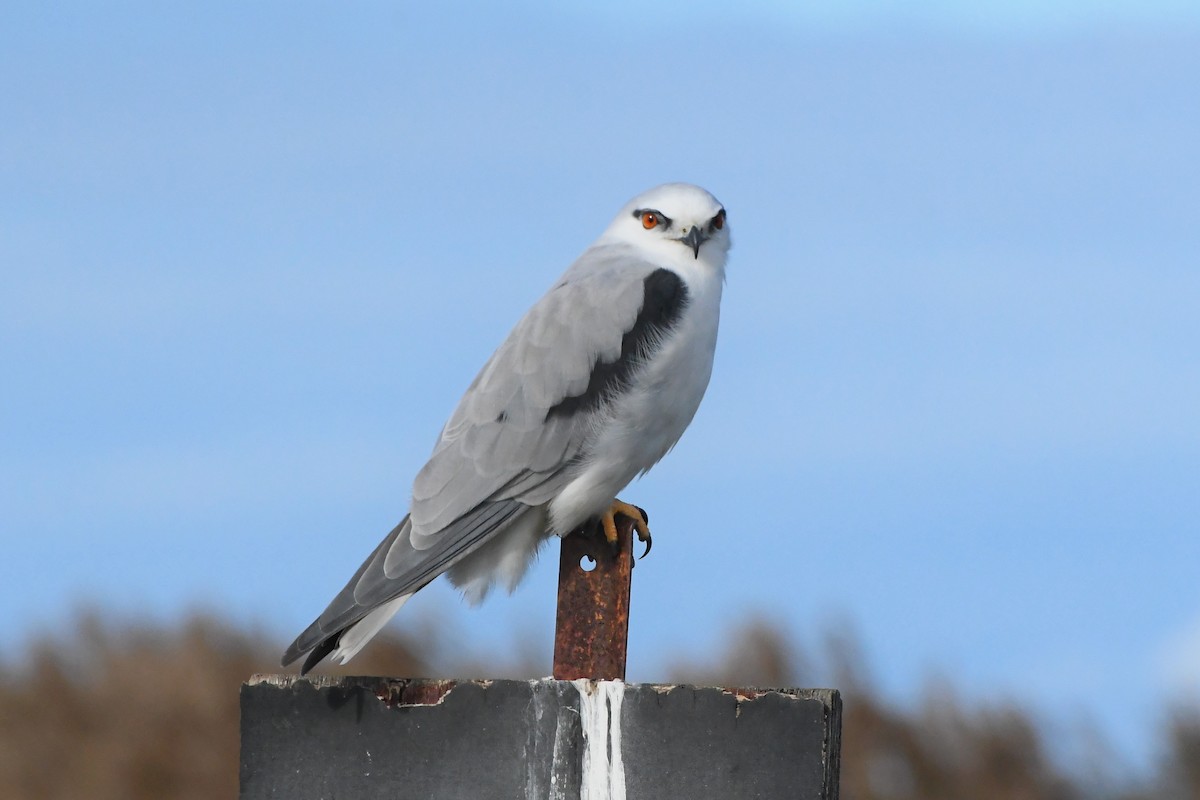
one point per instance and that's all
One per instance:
(674, 221)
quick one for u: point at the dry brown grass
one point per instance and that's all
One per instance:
(134, 712)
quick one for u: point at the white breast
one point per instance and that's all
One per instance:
(648, 419)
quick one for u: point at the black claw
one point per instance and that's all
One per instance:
(649, 540)
(649, 544)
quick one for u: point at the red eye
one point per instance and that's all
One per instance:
(649, 220)
(718, 221)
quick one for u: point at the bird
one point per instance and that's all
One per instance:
(591, 388)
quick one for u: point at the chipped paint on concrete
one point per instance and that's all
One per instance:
(392, 692)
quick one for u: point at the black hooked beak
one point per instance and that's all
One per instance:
(694, 238)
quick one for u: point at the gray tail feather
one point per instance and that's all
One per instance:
(371, 587)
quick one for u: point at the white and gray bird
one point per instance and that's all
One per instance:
(590, 389)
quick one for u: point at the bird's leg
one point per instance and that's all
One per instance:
(640, 524)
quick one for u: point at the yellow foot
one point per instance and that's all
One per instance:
(640, 519)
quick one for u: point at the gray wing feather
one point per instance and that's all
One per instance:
(396, 568)
(501, 443)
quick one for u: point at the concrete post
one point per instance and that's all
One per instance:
(346, 738)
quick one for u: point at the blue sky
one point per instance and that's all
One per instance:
(251, 257)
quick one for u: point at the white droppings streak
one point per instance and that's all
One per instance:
(600, 718)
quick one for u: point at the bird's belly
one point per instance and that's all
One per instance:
(642, 425)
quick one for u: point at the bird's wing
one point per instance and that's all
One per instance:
(525, 421)
(521, 426)
(374, 585)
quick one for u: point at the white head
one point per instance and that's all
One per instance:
(673, 221)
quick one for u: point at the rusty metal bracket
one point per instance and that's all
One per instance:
(591, 636)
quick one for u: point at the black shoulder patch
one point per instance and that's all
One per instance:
(664, 300)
